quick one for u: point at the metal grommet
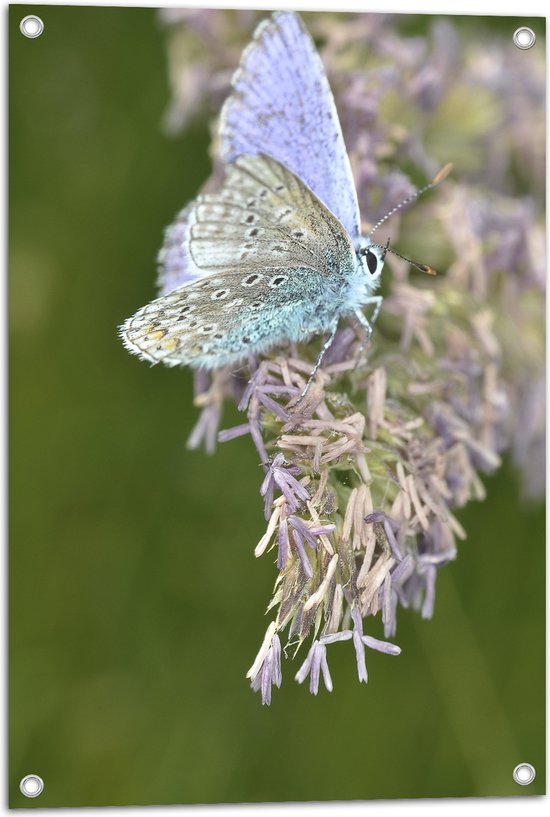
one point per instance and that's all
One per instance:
(31, 785)
(31, 26)
(524, 774)
(524, 38)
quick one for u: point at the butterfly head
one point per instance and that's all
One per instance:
(371, 259)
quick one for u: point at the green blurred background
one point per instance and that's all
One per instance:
(136, 604)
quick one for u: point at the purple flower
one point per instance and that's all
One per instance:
(266, 670)
(314, 665)
(304, 559)
(206, 428)
(389, 527)
(310, 534)
(232, 433)
(361, 641)
(301, 533)
(282, 476)
(391, 593)
(283, 544)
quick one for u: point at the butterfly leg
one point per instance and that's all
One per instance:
(365, 323)
(377, 301)
(326, 346)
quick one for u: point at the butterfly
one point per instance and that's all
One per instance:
(276, 254)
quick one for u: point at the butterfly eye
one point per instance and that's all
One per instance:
(372, 262)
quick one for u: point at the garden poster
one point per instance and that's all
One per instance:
(277, 403)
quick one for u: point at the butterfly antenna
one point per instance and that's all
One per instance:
(439, 177)
(422, 267)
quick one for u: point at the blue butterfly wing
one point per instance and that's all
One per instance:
(175, 264)
(282, 105)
